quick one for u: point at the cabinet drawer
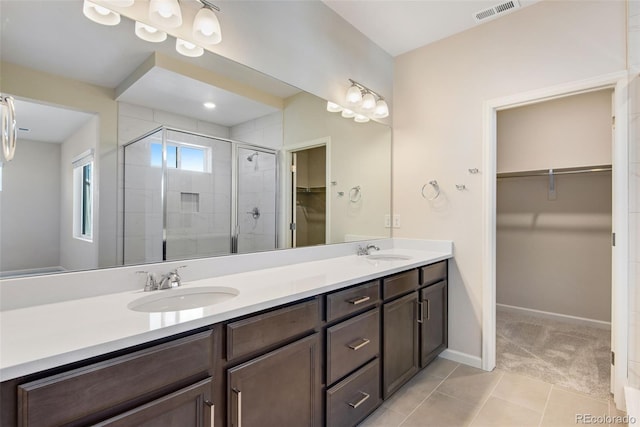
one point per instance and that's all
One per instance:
(352, 343)
(354, 299)
(259, 332)
(351, 400)
(399, 284)
(95, 391)
(433, 273)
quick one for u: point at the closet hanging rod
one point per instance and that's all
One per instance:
(559, 171)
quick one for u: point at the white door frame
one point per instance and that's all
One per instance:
(620, 219)
(286, 183)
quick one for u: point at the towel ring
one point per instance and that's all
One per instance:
(435, 186)
(355, 194)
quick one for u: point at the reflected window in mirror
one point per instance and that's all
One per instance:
(184, 157)
(83, 198)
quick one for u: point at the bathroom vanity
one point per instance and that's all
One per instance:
(327, 353)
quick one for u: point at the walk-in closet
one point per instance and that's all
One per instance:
(553, 241)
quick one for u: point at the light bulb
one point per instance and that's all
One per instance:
(382, 109)
(165, 13)
(188, 49)
(332, 107)
(149, 33)
(359, 118)
(206, 27)
(368, 102)
(348, 114)
(99, 14)
(354, 96)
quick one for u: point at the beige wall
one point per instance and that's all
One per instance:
(439, 92)
(562, 133)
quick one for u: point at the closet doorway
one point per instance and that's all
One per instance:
(617, 81)
(553, 241)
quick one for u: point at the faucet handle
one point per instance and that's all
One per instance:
(174, 277)
(150, 283)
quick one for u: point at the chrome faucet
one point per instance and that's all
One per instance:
(170, 280)
(367, 249)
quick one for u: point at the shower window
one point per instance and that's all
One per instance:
(182, 156)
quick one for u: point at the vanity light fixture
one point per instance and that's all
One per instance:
(206, 27)
(209, 105)
(149, 33)
(348, 114)
(188, 49)
(100, 14)
(382, 109)
(332, 107)
(165, 13)
(368, 102)
(361, 118)
(354, 95)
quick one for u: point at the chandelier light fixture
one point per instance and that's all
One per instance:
(163, 15)
(360, 104)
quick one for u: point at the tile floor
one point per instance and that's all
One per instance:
(450, 394)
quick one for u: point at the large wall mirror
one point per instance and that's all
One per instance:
(120, 160)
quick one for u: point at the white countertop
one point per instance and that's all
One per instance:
(44, 336)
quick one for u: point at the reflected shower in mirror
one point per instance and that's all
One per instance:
(220, 135)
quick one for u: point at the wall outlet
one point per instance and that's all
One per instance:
(396, 221)
(387, 221)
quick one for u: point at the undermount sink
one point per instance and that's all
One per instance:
(388, 257)
(183, 299)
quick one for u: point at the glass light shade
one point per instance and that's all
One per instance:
(368, 102)
(209, 105)
(100, 14)
(122, 3)
(166, 13)
(348, 114)
(361, 118)
(206, 27)
(354, 96)
(149, 33)
(188, 49)
(382, 109)
(332, 107)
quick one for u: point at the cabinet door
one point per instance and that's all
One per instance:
(189, 407)
(281, 388)
(433, 336)
(400, 342)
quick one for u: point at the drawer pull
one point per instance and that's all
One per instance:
(428, 309)
(211, 411)
(365, 396)
(238, 407)
(359, 300)
(362, 343)
(420, 312)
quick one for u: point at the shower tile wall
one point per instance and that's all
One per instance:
(265, 131)
(202, 230)
(256, 189)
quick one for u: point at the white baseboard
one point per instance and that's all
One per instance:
(464, 358)
(556, 316)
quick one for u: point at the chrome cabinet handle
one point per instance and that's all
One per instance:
(365, 396)
(212, 408)
(420, 312)
(358, 300)
(362, 343)
(238, 406)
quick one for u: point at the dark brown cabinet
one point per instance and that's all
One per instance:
(400, 342)
(189, 407)
(433, 327)
(280, 388)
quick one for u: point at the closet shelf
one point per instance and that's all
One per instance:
(311, 189)
(559, 171)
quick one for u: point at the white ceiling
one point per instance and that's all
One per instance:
(398, 26)
(45, 123)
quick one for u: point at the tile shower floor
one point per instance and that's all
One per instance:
(451, 394)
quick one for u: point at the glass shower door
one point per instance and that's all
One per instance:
(257, 198)
(198, 206)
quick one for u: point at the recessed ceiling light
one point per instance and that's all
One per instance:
(209, 105)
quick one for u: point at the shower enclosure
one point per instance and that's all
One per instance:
(189, 195)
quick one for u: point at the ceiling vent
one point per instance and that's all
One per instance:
(495, 11)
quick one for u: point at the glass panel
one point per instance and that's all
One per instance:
(86, 201)
(142, 228)
(198, 197)
(256, 200)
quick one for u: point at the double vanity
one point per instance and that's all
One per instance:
(318, 342)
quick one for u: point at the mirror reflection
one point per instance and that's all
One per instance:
(131, 153)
